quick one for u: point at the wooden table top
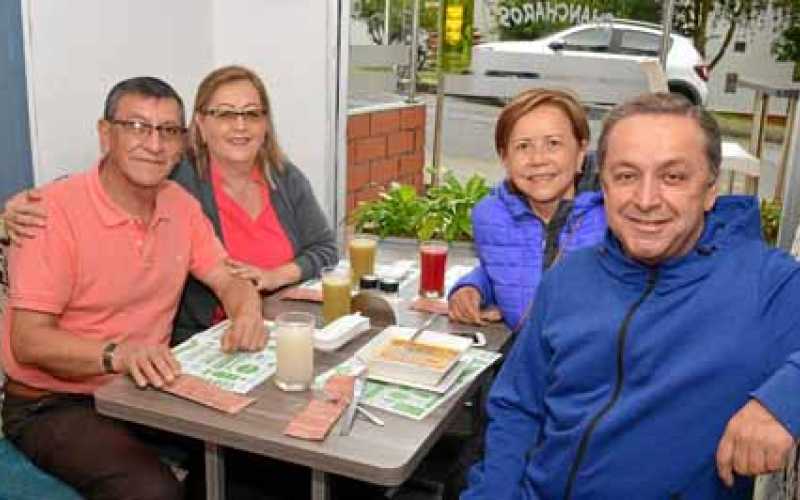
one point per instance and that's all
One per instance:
(381, 455)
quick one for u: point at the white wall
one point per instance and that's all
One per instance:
(285, 42)
(76, 51)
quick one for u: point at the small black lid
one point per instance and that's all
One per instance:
(389, 285)
(368, 282)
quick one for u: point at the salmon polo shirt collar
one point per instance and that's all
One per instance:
(112, 214)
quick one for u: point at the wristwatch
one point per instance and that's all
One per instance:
(108, 357)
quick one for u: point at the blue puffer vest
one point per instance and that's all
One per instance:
(512, 245)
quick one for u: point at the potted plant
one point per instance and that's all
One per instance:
(770, 220)
(442, 213)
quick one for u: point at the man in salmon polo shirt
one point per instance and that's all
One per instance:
(95, 294)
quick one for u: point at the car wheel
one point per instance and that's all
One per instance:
(685, 91)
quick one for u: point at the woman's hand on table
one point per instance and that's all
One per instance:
(24, 215)
(465, 307)
(491, 314)
(266, 280)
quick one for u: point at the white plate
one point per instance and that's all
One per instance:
(440, 388)
(412, 375)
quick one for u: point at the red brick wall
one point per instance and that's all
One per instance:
(383, 147)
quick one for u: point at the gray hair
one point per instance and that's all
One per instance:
(145, 86)
(666, 104)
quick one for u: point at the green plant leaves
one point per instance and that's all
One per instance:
(395, 214)
(770, 220)
(443, 213)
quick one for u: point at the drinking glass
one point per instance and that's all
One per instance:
(432, 263)
(294, 350)
(336, 285)
(362, 249)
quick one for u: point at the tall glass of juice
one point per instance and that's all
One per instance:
(432, 263)
(335, 292)
(294, 351)
(362, 249)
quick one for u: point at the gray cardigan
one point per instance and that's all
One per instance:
(303, 221)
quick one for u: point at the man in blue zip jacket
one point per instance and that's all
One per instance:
(663, 363)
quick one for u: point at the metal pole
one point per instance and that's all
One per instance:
(439, 115)
(339, 64)
(791, 111)
(386, 4)
(666, 28)
(790, 215)
(412, 70)
(215, 472)
(760, 112)
(320, 487)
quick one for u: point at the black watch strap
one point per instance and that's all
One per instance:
(108, 357)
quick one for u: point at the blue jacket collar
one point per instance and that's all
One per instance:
(517, 205)
(732, 221)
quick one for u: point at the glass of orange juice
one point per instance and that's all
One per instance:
(362, 249)
(336, 284)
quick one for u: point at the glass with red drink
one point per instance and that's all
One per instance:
(432, 263)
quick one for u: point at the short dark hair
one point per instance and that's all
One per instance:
(666, 104)
(145, 86)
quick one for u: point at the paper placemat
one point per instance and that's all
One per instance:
(318, 417)
(200, 391)
(435, 306)
(412, 403)
(201, 355)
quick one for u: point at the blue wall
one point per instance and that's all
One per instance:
(16, 170)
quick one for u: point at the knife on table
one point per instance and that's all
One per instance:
(350, 411)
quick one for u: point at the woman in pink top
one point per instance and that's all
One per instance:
(261, 205)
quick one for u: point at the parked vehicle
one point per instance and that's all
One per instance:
(687, 72)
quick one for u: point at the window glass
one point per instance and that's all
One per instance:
(508, 52)
(589, 39)
(386, 135)
(639, 43)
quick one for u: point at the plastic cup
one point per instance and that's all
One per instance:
(336, 284)
(294, 351)
(432, 263)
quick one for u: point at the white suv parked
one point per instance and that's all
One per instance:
(686, 72)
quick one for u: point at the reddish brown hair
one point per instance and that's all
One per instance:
(527, 101)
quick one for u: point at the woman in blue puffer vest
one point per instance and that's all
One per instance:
(546, 206)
